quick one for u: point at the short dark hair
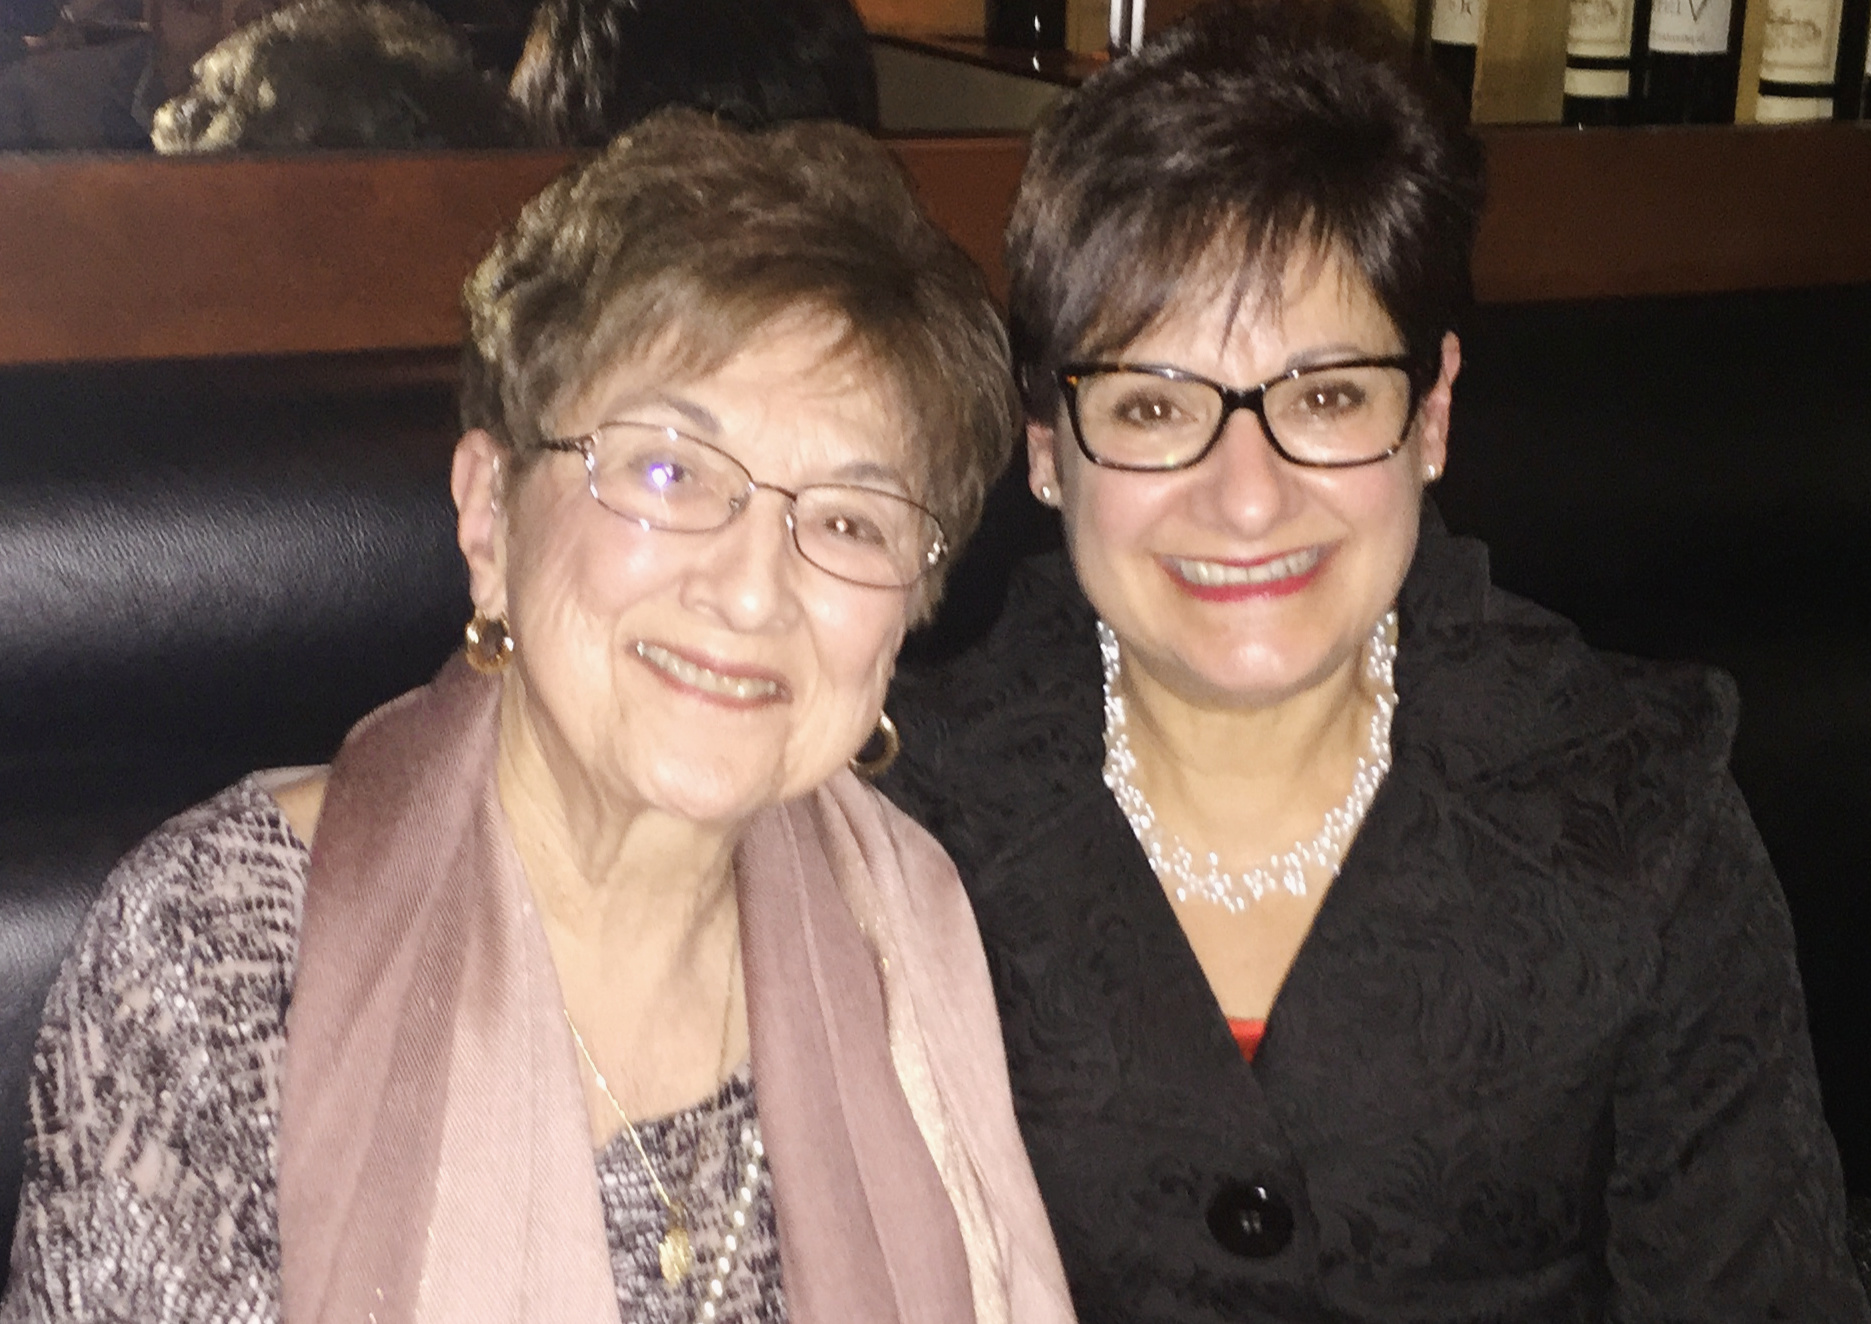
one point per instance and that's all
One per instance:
(1252, 133)
(688, 237)
(592, 68)
(339, 74)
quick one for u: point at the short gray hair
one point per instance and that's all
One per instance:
(689, 236)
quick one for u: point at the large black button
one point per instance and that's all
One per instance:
(1250, 1220)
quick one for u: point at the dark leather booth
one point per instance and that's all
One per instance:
(212, 566)
(205, 568)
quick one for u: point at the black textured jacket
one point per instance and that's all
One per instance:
(1543, 1055)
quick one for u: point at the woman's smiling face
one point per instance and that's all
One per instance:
(704, 675)
(1245, 579)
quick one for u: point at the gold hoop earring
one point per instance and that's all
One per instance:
(486, 644)
(875, 766)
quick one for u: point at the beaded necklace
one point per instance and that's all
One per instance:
(1176, 866)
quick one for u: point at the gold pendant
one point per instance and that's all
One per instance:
(675, 1253)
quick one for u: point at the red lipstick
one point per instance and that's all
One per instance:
(1309, 562)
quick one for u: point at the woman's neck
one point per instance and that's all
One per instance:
(1246, 784)
(640, 912)
(1245, 781)
(597, 863)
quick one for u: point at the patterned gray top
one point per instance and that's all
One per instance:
(151, 1163)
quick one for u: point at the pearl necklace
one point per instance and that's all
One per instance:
(1175, 864)
(753, 1153)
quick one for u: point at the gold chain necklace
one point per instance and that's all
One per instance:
(675, 1253)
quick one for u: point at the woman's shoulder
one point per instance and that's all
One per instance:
(232, 860)
(156, 1074)
(194, 926)
(194, 937)
(1505, 683)
(1007, 729)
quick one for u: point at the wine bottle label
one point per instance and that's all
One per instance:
(1602, 84)
(1456, 22)
(1600, 30)
(1689, 27)
(1126, 25)
(1791, 110)
(1802, 41)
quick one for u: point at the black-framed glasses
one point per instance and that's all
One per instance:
(661, 478)
(1148, 417)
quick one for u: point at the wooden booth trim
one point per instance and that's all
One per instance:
(125, 258)
(133, 258)
(119, 258)
(1600, 214)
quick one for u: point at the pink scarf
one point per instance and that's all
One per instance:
(435, 1162)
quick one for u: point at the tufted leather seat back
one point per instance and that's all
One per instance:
(204, 569)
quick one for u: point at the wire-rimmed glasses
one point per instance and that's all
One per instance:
(661, 478)
(1148, 417)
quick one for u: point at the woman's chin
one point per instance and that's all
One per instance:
(712, 797)
(1263, 678)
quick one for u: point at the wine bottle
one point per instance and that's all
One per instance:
(1799, 61)
(1854, 68)
(1864, 88)
(1028, 25)
(1126, 27)
(1454, 32)
(1692, 61)
(1602, 38)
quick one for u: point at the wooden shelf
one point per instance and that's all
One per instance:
(1584, 214)
(1066, 68)
(121, 258)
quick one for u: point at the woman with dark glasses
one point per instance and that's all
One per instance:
(1267, 755)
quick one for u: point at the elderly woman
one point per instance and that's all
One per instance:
(587, 983)
(1268, 753)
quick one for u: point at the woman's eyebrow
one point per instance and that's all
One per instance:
(1315, 354)
(1323, 356)
(699, 417)
(869, 471)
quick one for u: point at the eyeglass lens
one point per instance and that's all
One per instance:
(1341, 415)
(665, 479)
